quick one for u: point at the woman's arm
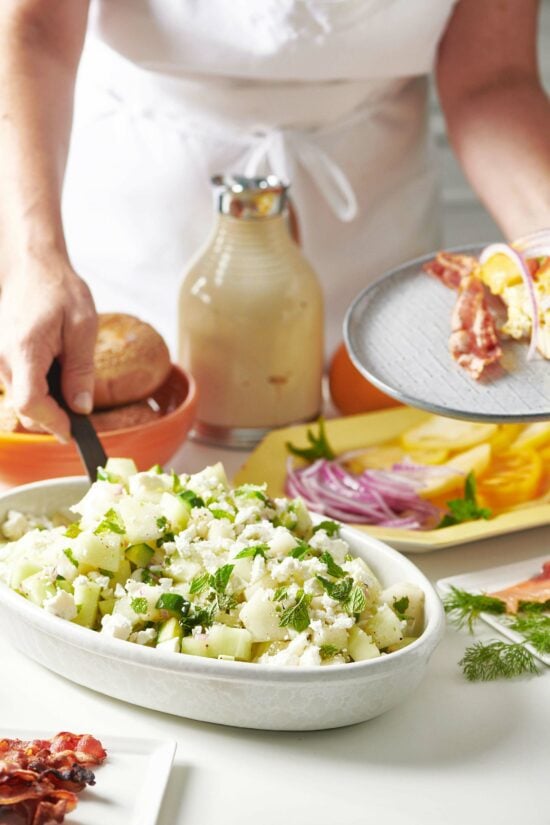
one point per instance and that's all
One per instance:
(497, 113)
(45, 308)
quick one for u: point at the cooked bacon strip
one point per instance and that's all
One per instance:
(451, 269)
(39, 779)
(473, 343)
(536, 589)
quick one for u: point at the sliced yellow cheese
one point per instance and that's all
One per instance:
(476, 460)
(499, 272)
(438, 433)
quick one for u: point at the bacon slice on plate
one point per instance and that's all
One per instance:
(39, 779)
(536, 589)
(474, 342)
(451, 269)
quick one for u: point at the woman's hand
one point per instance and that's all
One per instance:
(46, 310)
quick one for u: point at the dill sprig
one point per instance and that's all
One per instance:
(535, 628)
(497, 660)
(463, 608)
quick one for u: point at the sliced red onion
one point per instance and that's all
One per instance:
(518, 259)
(387, 498)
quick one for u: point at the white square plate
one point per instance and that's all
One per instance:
(129, 785)
(497, 578)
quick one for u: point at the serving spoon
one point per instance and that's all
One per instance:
(82, 430)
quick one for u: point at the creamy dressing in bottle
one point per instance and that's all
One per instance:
(251, 319)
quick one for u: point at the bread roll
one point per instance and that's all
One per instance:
(131, 360)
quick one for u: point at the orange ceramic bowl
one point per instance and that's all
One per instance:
(26, 457)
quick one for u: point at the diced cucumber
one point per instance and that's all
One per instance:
(95, 551)
(195, 645)
(303, 519)
(230, 641)
(139, 554)
(175, 510)
(361, 645)
(63, 584)
(22, 570)
(86, 598)
(122, 574)
(170, 629)
(121, 468)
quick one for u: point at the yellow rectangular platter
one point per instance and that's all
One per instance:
(268, 464)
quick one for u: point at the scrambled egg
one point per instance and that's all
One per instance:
(503, 279)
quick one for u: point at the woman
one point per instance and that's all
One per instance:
(329, 93)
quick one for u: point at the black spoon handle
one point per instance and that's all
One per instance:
(82, 430)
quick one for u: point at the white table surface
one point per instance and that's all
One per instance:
(454, 753)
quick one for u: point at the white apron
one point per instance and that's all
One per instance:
(329, 94)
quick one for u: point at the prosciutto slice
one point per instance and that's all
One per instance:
(536, 589)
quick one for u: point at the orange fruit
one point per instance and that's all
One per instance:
(513, 477)
(350, 392)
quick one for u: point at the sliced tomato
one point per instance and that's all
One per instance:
(512, 477)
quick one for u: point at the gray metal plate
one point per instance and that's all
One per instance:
(397, 333)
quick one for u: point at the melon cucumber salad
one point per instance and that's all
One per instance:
(186, 564)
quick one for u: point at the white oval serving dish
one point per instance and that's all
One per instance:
(230, 693)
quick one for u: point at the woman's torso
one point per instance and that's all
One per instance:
(330, 93)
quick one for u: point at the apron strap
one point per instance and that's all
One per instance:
(283, 149)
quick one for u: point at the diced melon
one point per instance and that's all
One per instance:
(97, 551)
(37, 588)
(122, 574)
(106, 606)
(303, 519)
(261, 619)
(21, 570)
(86, 598)
(414, 612)
(170, 645)
(360, 645)
(183, 570)
(63, 584)
(405, 642)
(175, 510)
(121, 468)
(140, 520)
(384, 627)
(331, 635)
(474, 461)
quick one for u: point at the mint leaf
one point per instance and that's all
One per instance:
(297, 616)
(400, 606)
(139, 605)
(111, 523)
(73, 530)
(69, 553)
(191, 498)
(220, 579)
(356, 601)
(300, 551)
(339, 591)
(465, 509)
(331, 528)
(199, 583)
(252, 552)
(328, 651)
(219, 512)
(332, 568)
(280, 594)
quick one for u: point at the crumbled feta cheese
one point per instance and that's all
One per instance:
(15, 526)
(143, 637)
(62, 605)
(120, 592)
(116, 625)
(103, 581)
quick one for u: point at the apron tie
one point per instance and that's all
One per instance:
(281, 150)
